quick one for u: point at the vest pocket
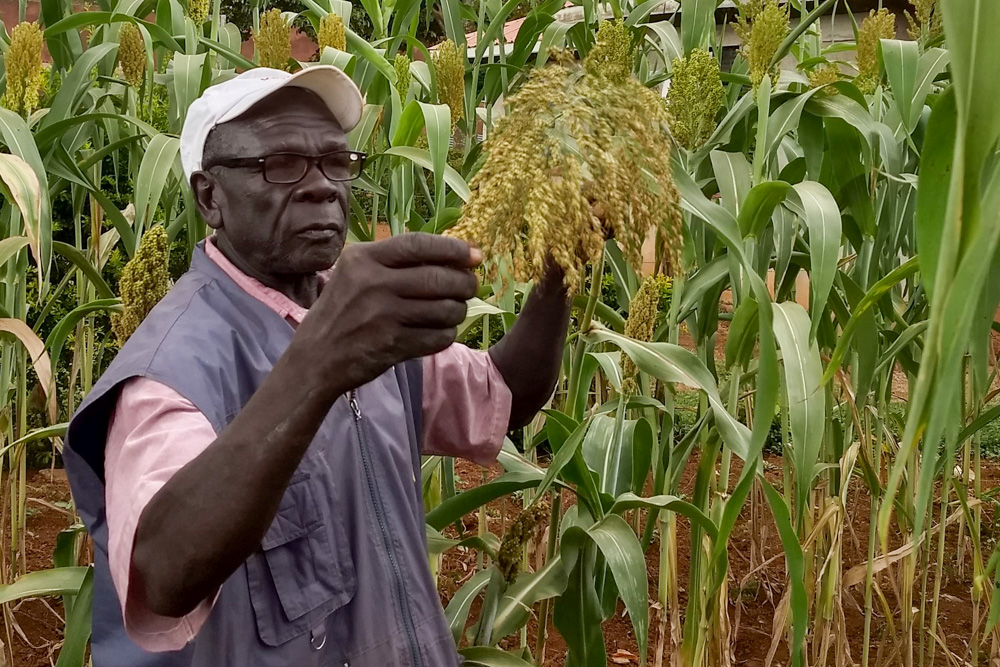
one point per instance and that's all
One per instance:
(297, 578)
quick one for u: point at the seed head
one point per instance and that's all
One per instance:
(24, 69)
(643, 314)
(878, 26)
(823, 75)
(614, 52)
(576, 158)
(132, 54)
(197, 11)
(449, 68)
(926, 24)
(144, 282)
(273, 40)
(694, 98)
(402, 66)
(509, 554)
(762, 25)
(332, 33)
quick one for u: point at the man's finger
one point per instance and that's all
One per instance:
(434, 282)
(416, 248)
(441, 314)
(425, 342)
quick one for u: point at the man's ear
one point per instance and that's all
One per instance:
(207, 194)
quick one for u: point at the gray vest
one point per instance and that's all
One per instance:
(341, 576)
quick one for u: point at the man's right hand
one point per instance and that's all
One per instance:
(386, 302)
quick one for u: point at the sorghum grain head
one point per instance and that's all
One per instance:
(823, 75)
(925, 23)
(402, 66)
(643, 312)
(197, 11)
(332, 33)
(512, 544)
(576, 158)
(24, 69)
(144, 282)
(132, 54)
(878, 26)
(449, 68)
(273, 40)
(614, 52)
(694, 98)
(762, 25)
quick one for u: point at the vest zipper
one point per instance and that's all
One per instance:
(380, 517)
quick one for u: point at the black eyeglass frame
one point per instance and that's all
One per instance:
(314, 160)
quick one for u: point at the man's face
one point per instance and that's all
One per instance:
(271, 229)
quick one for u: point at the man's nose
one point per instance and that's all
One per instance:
(316, 187)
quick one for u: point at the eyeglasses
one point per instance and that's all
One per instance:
(287, 168)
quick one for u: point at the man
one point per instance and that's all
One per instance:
(249, 465)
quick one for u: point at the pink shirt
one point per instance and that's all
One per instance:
(155, 431)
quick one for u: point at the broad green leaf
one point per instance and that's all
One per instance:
(19, 184)
(698, 24)
(795, 564)
(759, 205)
(900, 59)
(78, 625)
(822, 217)
(732, 173)
(437, 120)
(57, 338)
(610, 364)
(937, 165)
(489, 656)
(672, 363)
(423, 159)
(629, 501)
(457, 611)
(189, 82)
(9, 247)
(806, 397)
(456, 507)
(530, 587)
(57, 581)
(577, 613)
(156, 167)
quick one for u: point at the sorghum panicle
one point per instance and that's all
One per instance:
(512, 544)
(197, 11)
(823, 75)
(332, 33)
(576, 158)
(402, 66)
(132, 54)
(694, 98)
(614, 52)
(449, 68)
(24, 69)
(878, 26)
(762, 25)
(643, 311)
(144, 282)
(925, 23)
(274, 44)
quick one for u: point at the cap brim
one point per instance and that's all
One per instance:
(340, 94)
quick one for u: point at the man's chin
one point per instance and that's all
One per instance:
(321, 257)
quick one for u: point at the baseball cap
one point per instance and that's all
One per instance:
(228, 100)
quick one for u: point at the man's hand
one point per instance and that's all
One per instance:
(386, 302)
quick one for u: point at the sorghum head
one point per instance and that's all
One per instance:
(762, 25)
(878, 26)
(449, 68)
(332, 33)
(614, 52)
(24, 69)
(273, 40)
(643, 312)
(694, 98)
(512, 544)
(132, 54)
(144, 282)
(197, 11)
(402, 67)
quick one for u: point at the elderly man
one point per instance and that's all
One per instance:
(249, 465)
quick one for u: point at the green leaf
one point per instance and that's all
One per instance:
(515, 605)
(189, 81)
(629, 501)
(423, 159)
(11, 246)
(57, 581)
(795, 564)
(156, 166)
(937, 165)
(732, 172)
(698, 24)
(56, 339)
(457, 611)
(577, 612)
(822, 217)
(489, 656)
(78, 625)
(19, 184)
(806, 398)
(456, 507)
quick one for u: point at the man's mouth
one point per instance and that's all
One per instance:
(322, 232)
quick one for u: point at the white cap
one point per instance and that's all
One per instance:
(228, 100)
